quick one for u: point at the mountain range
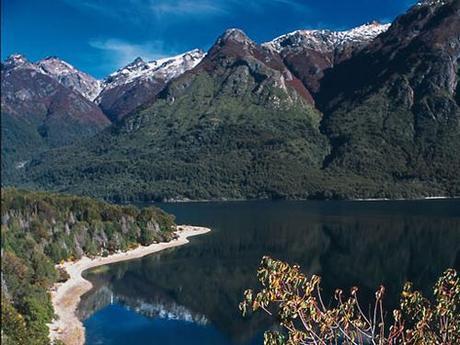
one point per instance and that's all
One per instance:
(371, 112)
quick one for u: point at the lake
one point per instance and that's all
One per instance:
(190, 294)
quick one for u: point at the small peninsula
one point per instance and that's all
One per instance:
(43, 232)
(66, 296)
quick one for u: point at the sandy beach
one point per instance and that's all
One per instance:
(66, 296)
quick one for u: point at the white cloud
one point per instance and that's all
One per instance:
(118, 53)
(187, 7)
(136, 10)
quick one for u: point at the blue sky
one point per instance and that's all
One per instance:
(99, 36)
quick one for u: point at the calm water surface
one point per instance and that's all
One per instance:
(190, 294)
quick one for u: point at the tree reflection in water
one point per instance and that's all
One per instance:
(347, 243)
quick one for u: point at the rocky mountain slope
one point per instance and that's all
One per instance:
(70, 77)
(237, 125)
(307, 53)
(50, 103)
(39, 113)
(139, 82)
(325, 41)
(369, 112)
(398, 118)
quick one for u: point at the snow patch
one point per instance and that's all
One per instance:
(71, 77)
(327, 40)
(161, 69)
(431, 3)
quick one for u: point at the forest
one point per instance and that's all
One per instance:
(41, 229)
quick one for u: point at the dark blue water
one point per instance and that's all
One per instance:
(190, 294)
(118, 325)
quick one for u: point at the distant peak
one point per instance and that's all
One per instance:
(327, 40)
(431, 2)
(54, 61)
(16, 56)
(194, 52)
(137, 60)
(17, 60)
(52, 57)
(160, 69)
(370, 28)
(233, 31)
(136, 63)
(235, 35)
(373, 23)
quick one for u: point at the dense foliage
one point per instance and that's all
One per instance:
(39, 113)
(20, 141)
(399, 116)
(41, 229)
(307, 319)
(209, 143)
(213, 144)
(240, 126)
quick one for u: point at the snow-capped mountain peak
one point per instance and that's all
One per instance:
(71, 77)
(137, 64)
(18, 61)
(163, 69)
(431, 3)
(327, 40)
(236, 35)
(140, 81)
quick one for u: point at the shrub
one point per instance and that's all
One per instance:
(307, 320)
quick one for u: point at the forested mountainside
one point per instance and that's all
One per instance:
(49, 103)
(371, 112)
(238, 125)
(39, 113)
(40, 229)
(399, 116)
(139, 82)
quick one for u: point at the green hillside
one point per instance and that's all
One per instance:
(39, 230)
(241, 125)
(217, 140)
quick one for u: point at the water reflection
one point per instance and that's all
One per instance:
(347, 243)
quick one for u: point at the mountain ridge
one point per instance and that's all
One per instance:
(328, 40)
(247, 121)
(139, 82)
(404, 94)
(39, 113)
(59, 69)
(70, 77)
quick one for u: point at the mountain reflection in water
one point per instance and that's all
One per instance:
(347, 243)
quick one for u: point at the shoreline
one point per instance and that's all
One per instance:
(197, 201)
(66, 296)
(413, 199)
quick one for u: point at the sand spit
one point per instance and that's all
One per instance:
(66, 296)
